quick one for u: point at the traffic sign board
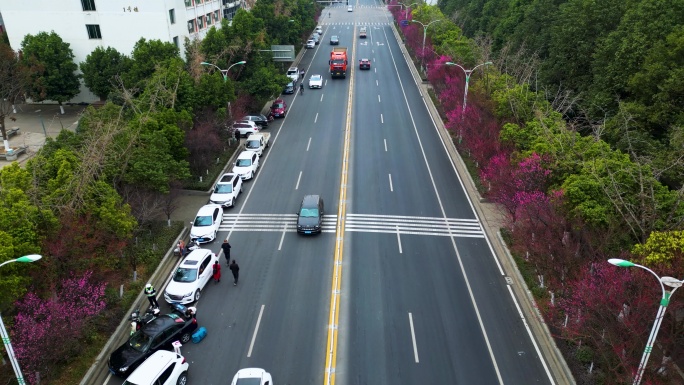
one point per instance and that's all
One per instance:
(404, 23)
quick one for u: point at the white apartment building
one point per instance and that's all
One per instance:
(88, 24)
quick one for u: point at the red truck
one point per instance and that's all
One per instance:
(338, 62)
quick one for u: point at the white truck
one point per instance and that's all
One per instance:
(293, 74)
(257, 142)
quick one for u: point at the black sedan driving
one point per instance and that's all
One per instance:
(158, 334)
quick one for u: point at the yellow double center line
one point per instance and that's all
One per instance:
(333, 320)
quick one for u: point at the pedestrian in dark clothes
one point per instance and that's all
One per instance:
(237, 136)
(226, 250)
(217, 272)
(235, 269)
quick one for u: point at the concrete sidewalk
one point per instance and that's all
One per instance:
(35, 123)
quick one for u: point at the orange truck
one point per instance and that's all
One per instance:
(338, 62)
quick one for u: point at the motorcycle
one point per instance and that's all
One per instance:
(270, 118)
(191, 246)
(137, 321)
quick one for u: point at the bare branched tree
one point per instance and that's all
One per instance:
(13, 82)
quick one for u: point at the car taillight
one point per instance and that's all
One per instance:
(194, 320)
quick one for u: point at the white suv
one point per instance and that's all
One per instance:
(293, 73)
(246, 164)
(190, 277)
(161, 368)
(226, 191)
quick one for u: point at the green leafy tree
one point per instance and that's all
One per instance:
(57, 80)
(101, 68)
(13, 82)
(662, 248)
(146, 56)
(265, 83)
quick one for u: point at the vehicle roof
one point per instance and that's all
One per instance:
(364, 59)
(310, 200)
(292, 69)
(315, 76)
(195, 257)
(278, 101)
(152, 366)
(246, 155)
(206, 210)
(160, 324)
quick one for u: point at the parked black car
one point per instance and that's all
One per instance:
(289, 88)
(158, 334)
(258, 119)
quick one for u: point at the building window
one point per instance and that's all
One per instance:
(216, 16)
(172, 16)
(88, 5)
(200, 22)
(176, 42)
(191, 26)
(188, 3)
(93, 31)
(210, 21)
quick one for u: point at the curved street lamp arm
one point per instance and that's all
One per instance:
(662, 287)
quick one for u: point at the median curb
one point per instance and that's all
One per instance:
(489, 214)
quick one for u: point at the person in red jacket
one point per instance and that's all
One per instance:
(217, 272)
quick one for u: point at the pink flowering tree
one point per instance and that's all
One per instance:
(49, 332)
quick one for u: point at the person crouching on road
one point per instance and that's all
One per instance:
(217, 272)
(151, 295)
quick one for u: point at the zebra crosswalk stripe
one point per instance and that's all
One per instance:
(387, 224)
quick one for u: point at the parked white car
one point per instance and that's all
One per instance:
(293, 74)
(252, 376)
(161, 368)
(206, 223)
(319, 30)
(246, 164)
(189, 279)
(226, 191)
(310, 43)
(316, 81)
(246, 127)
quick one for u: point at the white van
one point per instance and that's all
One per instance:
(349, 8)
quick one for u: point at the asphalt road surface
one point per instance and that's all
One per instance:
(422, 299)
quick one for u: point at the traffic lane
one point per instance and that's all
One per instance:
(517, 357)
(293, 335)
(412, 116)
(385, 285)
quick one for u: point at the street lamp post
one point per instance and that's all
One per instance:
(467, 78)
(674, 283)
(425, 27)
(3, 331)
(223, 72)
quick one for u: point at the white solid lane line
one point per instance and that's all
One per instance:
(390, 180)
(413, 338)
(256, 330)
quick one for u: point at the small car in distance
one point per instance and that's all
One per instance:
(246, 164)
(258, 119)
(334, 40)
(310, 43)
(155, 335)
(161, 368)
(364, 64)
(279, 108)
(316, 81)
(362, 33)
(206, 224)
(289, 88)
(349, 8)
(319, 30)
(315, 38)
(310, 215)
(189, 279)
(252, 376)
(226, 191)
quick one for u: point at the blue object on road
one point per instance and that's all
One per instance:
(199, 335)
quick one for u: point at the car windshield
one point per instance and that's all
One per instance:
(203, 221)
(243, 162)
(251, 144)
(248, 381)
(309, 213)
(338, 61)
(241, 125)
(139, 341)
(184, 274)
(278, 105)
(315, 78)
(223, 188)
